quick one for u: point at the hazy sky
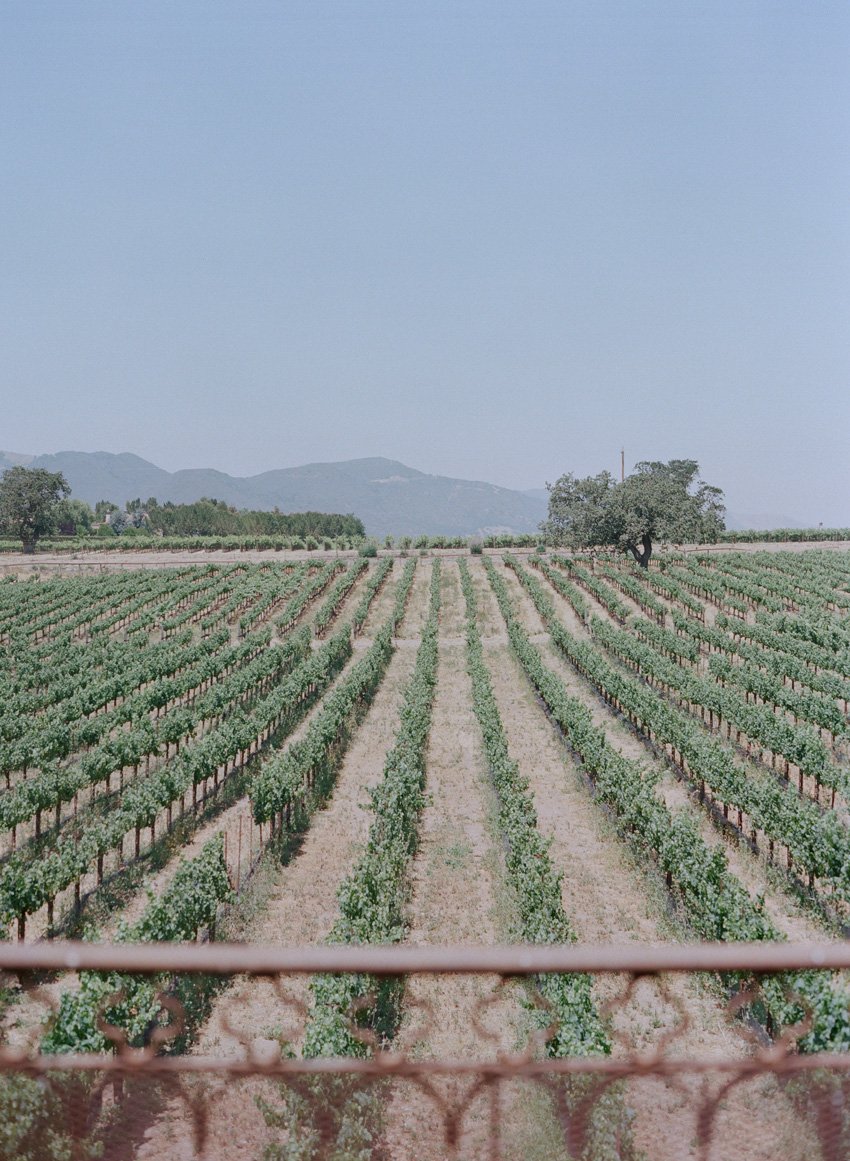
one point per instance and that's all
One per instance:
(492, 240)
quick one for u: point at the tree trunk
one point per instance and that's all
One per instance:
(642, 553)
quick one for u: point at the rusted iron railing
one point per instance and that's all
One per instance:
(691, 1072)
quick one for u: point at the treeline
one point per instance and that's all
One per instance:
(215, 518)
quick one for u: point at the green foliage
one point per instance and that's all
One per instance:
(132, 1003)
(29, 879)
(332, 604)
(603, 592)
(373, 586)
(512, 540)
(536, 883)
(714, 902)
(624, 580)
(314, 587)
(564, 587)
(658, 502)
(779, 535)
(402, 594)
(373, 897)
(45, 1120)
(73, 517)
(208, 517)
(29, 498)
(302, 775)
(328, 1118)
(253, 666)
(817, 841)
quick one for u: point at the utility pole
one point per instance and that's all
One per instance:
(622, 464)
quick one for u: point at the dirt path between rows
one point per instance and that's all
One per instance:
(612, 899)
(300, 909)
(459, 895)
(244, 838)
(785, 911)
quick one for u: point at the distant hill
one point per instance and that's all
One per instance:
(762, 522)
(11, 459)
(389, 497)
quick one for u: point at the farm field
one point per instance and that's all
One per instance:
(442, 749)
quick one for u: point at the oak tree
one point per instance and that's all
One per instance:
(28, 502)
(659, 501)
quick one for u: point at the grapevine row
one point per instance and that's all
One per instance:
(535, 881)
(132, 1003)
(373, 897)
(27, 883)
(816, 841)
(715, 903)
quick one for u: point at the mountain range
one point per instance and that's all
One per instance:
(389, 497)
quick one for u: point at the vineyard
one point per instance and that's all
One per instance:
(484, 748)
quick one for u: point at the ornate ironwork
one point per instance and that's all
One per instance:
(672, 1086)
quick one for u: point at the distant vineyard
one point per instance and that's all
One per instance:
(781, 535)
(140, 542)
(135, 541)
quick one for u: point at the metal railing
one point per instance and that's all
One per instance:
(692, 1071)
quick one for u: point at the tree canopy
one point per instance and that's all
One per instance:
(657, 502)
(209, 517)
(73, 517)
(29, 498)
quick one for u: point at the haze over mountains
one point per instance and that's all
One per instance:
(389, 497)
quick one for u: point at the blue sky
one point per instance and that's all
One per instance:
(494, 241)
